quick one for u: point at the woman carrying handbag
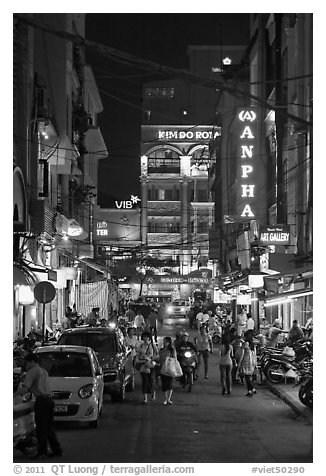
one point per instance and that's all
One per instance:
(166, 380)
(248, 362)
(145, 364)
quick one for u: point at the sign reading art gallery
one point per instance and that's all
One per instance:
(275, 235)
(247, 178)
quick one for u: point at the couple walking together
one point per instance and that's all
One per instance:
(150, 361)
(246, 363)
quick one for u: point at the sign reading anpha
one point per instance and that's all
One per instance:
(246, 157)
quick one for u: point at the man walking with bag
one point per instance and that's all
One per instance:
(37, 382)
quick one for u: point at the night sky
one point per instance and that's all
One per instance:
(162, 38)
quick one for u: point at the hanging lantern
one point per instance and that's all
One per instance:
(25, 295)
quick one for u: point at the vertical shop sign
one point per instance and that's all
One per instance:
(246, 158)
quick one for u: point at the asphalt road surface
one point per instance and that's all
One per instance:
(200, 427)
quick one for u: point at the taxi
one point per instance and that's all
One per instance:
(76, 382)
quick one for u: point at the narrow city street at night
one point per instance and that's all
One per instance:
(202, 426)
(163, 281)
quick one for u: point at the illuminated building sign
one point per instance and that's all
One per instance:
(127, 204)
(177, 279)
(247, 163)
(275, 235)
(102, 228)
(189, 133)
(74, 229)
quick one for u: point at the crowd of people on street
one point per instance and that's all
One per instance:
(236, 343)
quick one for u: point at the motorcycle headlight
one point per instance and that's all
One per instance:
(86, 391)
(187, 354)
(112, 325)
(169, 309)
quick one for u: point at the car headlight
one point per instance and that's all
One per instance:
(169, 309)
(86, 391)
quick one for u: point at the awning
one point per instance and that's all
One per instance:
(282, 298)
(97, 267)
(95, 144)
(23, 277)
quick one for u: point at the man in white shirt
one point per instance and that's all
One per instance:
(37, 382)
(139, 323)
(250, 322)
(199, 319)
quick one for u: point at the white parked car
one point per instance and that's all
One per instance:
(76, 381)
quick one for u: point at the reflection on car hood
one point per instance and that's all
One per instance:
(69, 384)
(106, 358)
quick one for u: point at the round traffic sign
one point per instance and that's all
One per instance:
(44, 291)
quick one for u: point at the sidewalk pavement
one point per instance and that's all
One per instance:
(289, 394)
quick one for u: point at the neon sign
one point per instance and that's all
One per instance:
(246, 170)
(102, 228)
(128, 203)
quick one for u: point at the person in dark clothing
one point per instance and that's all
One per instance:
(152, 323)
(37, 382)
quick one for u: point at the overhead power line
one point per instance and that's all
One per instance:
(147, 65)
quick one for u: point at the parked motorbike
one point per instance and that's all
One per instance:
(305, 381)
(24, 435)
(188, 362)
(303, 350)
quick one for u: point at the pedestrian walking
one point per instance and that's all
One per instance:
(241, 322)
(130, 315)
(250, 325)
(145, 354)
(296, 333)
(226, 355)
(131, 341)
(139, 323)
(237, 345)
(199, 318)
(37, 382)
(248, 362)
(167, 382)
(152, 323)
(204, 346)
(155, 370)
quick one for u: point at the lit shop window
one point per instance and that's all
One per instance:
(160, 92)
(147, 115)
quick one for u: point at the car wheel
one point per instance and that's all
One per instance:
(131, 384)
(120, 395)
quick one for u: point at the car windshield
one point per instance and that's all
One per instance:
(97, 341)
(179, 303)
(65, 364)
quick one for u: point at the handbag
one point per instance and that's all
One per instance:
(171, 367)
(138, 364)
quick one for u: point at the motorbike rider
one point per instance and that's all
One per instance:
(183, 345)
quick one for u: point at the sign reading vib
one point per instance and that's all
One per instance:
(247, 143)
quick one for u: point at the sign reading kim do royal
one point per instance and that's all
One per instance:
(200, 133)
(275, 235)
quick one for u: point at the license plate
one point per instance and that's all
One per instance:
(60, 408)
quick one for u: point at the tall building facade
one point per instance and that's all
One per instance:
(264, 213)
(181, 122)
(56, 149)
